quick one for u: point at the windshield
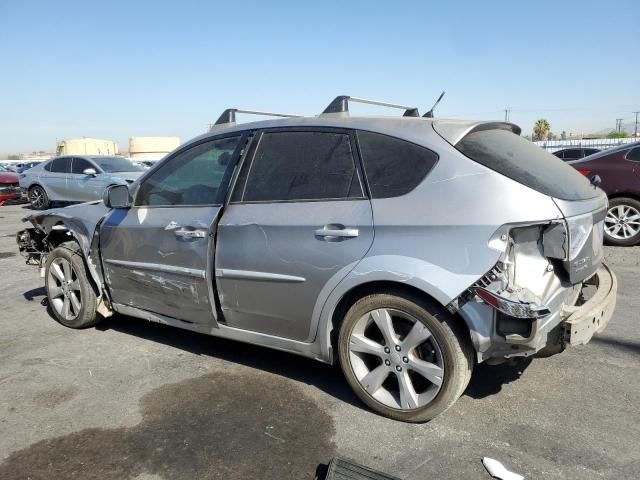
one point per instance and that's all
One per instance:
(523, 161)
(116, 164)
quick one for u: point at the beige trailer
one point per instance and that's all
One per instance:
(151, 148)
(86, 146)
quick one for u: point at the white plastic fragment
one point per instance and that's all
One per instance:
(498, 470)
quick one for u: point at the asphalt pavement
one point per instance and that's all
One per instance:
(136, 400)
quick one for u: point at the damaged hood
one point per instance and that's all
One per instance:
(79, 219)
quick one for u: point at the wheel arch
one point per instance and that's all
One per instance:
(633, 195)
(334, 321)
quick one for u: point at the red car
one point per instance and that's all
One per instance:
(9, 188)
(619, 172)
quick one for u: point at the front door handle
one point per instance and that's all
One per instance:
(188, 233)
(336, 232)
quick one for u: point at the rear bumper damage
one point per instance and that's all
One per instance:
(581, 322)
(576, 314)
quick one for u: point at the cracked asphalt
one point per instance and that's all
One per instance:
(135, 400)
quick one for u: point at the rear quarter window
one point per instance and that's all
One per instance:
(526, 163)
(393, 167)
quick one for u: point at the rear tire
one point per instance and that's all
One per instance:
(38, 198)
(70, 294)
(414, 371)
(622, 223)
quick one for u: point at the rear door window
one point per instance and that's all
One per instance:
(301, 166)
(526, 163)
(393, 167)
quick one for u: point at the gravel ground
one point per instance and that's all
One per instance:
(131, 399)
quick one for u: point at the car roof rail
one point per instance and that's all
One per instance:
(229, 115)
(340, 106)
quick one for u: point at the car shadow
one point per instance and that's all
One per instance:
(327, 378)
(488, 380)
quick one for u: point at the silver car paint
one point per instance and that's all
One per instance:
(73, 187)
(439, 239)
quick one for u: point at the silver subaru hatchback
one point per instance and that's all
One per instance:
(406, 248)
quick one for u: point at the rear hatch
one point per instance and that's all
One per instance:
(499, 147)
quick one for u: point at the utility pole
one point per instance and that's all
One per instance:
(619, 124)
(507, 114)
(635, 132)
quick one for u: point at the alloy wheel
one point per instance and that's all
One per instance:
(64, 289)
(396, 359)
(37, 197)
(622, 222)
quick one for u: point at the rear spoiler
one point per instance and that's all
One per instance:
(455, 130)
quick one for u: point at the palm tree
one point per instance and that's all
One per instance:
(541, 129)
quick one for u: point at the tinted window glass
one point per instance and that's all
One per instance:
(61, 165)
(302, 166)
(79, 165)
(197, 176)
(572, 154)
(634, 154)
(393, 167)
(526, 163)
(590, 151)
(559, 153)
(116, 164)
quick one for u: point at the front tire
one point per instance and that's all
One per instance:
(70, 294)
(406, 358)
(38, 198)
(622, 223)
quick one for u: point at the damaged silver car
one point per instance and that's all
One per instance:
(406, 248)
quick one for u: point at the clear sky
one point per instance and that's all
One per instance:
(115, 69)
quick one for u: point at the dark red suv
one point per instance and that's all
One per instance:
(619, 170)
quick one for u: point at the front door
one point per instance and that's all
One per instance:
(83, 187)
(158, 254)
(298, 222)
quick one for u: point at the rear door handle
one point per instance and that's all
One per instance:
(336, 231)
(188, 233)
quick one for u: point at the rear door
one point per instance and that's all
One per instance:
(55, 178)
(158, 255)
(298, 222)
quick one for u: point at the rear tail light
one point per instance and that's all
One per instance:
(585, 172)
(510, 307)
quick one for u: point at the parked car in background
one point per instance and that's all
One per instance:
(21, 167)
(75, 179)
(9, 189)
(571, 154)
(369, 241)
(619, 172)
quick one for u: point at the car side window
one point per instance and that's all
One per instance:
(196, 176)
(633, 154)
(393, 167)
(61, 165)
(79, 165)
(302, 166)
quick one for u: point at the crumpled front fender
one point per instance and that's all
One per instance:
(81, 222)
